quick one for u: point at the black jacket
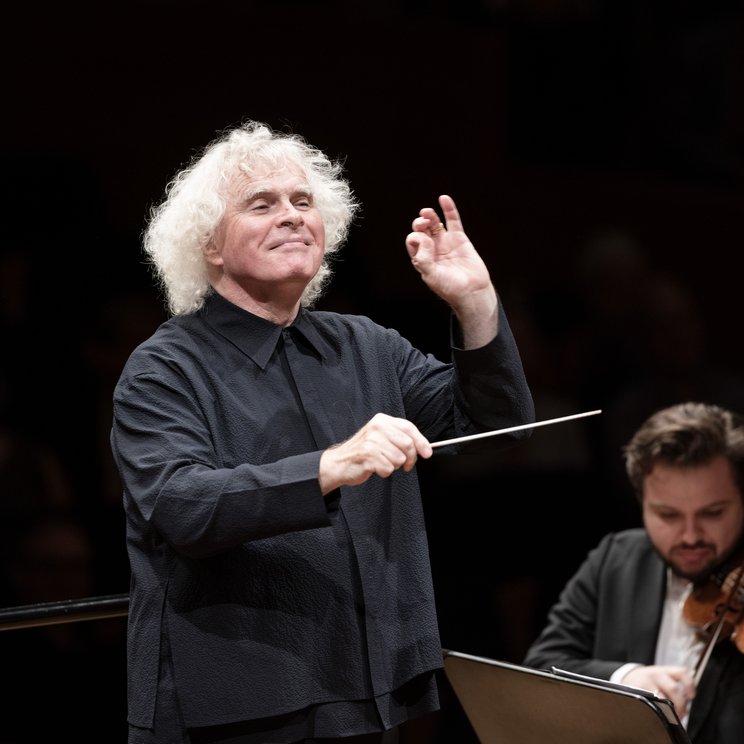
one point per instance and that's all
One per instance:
(609, 614)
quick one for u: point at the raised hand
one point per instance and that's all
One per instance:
(452, 268)
(443, 254)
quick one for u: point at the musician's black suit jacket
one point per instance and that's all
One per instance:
(609, 614)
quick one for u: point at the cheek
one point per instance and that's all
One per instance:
(317, 228)
(730, 534)
(661, 533)
(241, 243)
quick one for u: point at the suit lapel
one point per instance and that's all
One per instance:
(648, 600)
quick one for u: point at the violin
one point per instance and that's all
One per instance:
(715, 609)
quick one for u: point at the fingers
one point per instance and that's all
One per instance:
(382, 446)
(684, 685)
(426, 224)
(429, 222)
(672, 682)
(393, 443)
(451, 215)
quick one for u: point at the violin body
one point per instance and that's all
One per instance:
(733, 588)
(716, 608)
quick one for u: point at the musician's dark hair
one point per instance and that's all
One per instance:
(685, 435)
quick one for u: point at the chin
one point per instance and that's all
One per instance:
(695, 573)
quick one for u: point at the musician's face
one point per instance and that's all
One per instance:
(694, 516)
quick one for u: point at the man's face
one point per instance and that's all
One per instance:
(271, 239)
(694, 516)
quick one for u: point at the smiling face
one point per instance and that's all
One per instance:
(270, 242)
(694, 515)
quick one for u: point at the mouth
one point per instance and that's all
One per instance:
(291, 243)
(693, 554)
(692, 559)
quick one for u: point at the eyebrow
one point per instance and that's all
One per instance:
(713, 505)
(264, 192)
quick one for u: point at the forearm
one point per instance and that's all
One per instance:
(478, 316)
(493, 387)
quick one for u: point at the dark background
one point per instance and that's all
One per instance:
(595, 150)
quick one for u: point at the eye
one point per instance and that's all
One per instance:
(667, 516)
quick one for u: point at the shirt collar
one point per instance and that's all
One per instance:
(677, 587)
(256, 337)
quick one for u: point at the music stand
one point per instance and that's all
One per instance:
(511, 704)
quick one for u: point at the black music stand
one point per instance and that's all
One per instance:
(511, 704)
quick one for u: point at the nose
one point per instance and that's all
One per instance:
(692, 532)
(290, 216)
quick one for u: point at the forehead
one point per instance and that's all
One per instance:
(268, 177)
(692, 487)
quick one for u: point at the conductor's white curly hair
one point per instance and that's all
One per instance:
(183, 224)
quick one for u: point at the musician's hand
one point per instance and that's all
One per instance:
(382, 446)
(453, 269)
(672, 682)
(444, 256)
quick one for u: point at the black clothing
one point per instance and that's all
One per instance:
(609, 614)
(271, 599)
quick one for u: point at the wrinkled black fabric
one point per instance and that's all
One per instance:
(273, 599)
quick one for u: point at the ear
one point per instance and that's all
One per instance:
(212, 254)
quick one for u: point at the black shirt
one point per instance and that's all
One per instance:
(274, 599)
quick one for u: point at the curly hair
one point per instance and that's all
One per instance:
(685, 435)
(182, 225)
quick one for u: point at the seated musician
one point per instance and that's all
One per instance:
(661, 607)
